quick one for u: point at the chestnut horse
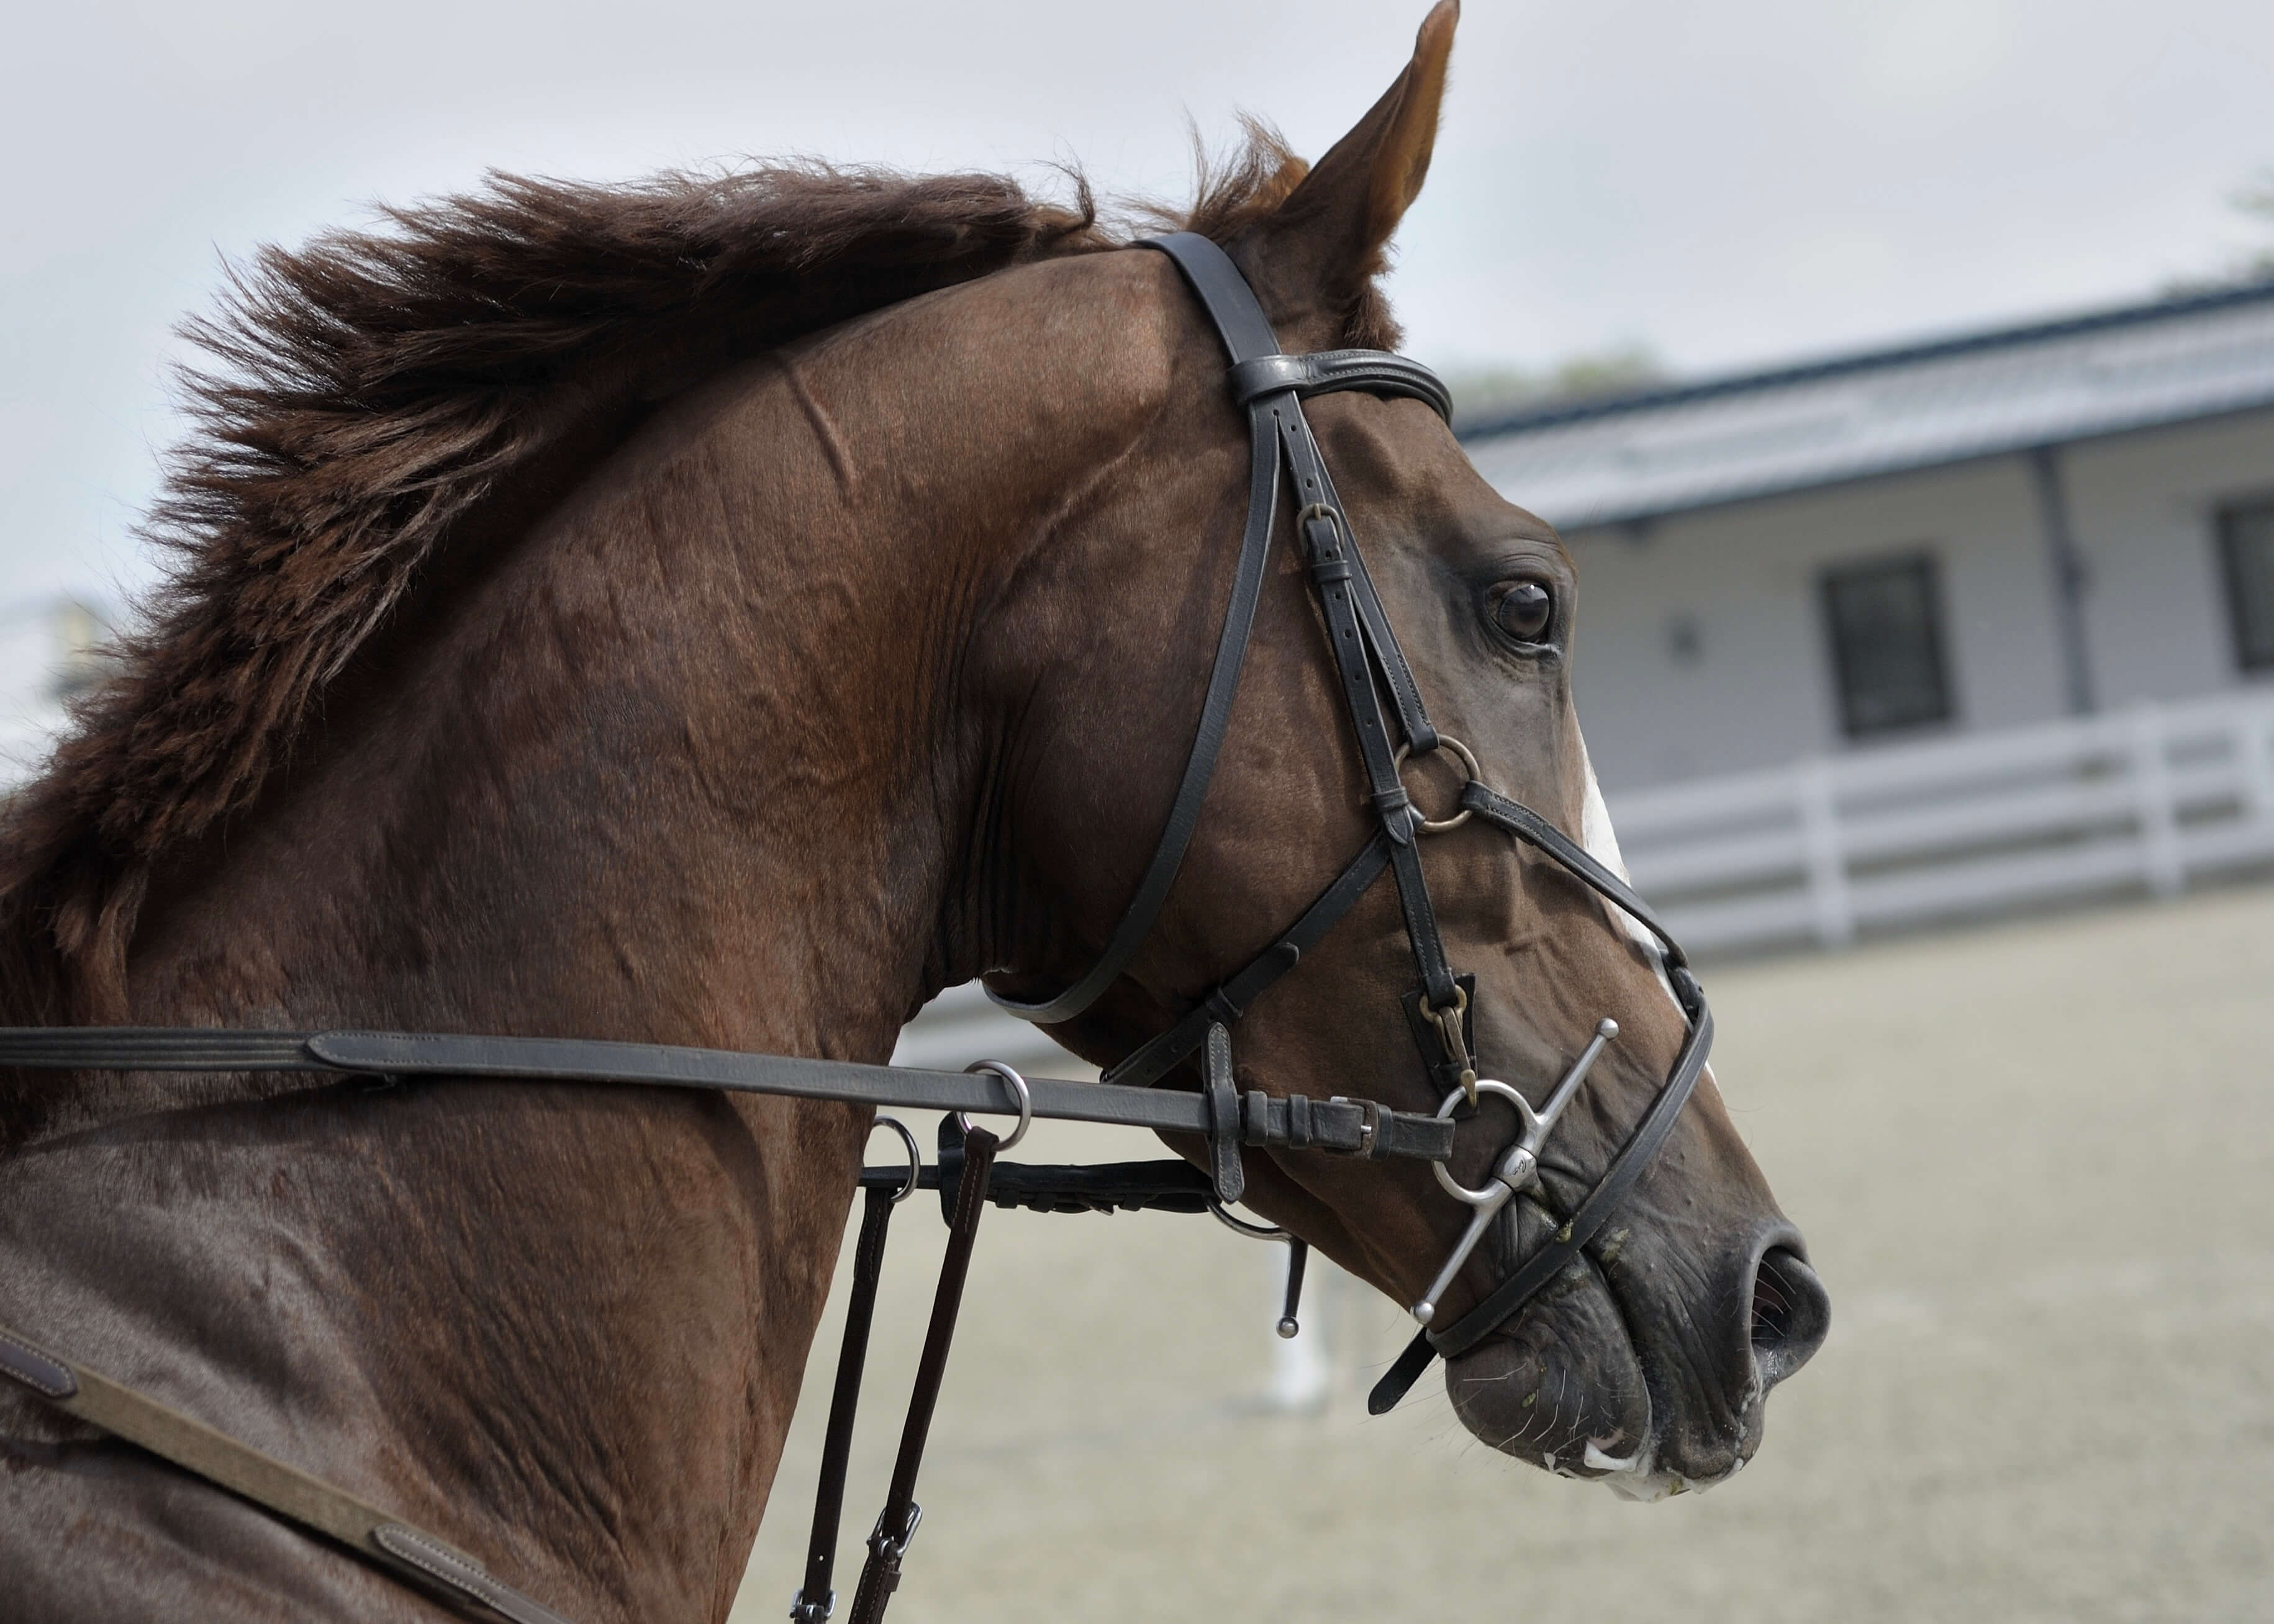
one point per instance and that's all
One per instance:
(725, 611)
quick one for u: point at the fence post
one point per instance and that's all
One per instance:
(2254, 764)
(1827, 863)
(2160, 856)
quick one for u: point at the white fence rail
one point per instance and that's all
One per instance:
(2147, 799)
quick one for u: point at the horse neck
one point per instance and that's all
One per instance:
(663, 769)
(685, 764)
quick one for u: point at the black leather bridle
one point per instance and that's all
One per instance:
(1377, 685)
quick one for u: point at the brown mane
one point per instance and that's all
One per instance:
(366, 399)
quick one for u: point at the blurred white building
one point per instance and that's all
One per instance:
(1944, 628)
(1918, 543)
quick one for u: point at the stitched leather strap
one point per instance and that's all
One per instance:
(1381, 644)
(816, 1600)
(379, 1538)
(1338, 579)
(1326, 372)
(896, 1525)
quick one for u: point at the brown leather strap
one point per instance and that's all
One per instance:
(386, 1542)
(896, 1525)
(816, 1600)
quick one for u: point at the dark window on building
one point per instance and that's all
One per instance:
(1884, 621)
(2246, 547)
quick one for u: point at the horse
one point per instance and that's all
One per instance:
(725, 611)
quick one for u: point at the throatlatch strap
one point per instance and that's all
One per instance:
(815, 1600)
(896, 1525)
(386, 1542)
(1200, 766)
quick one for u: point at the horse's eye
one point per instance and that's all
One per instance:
(1524, 610)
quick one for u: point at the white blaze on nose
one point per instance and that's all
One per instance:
(1595, 830)
(1603, 843)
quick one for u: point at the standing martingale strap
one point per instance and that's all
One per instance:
(816, 1600)
(896, 1525)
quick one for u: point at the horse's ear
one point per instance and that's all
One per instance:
(1326, 238)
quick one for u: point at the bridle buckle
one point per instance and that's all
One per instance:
(889, 1548)
(1452, 1030)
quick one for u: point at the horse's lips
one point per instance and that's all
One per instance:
(1561, 1386)
(1573, 1345)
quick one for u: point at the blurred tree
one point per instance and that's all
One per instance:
(1484, 392)
(81, 635)
(2257, 199)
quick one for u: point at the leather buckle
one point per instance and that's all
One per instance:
(889, 1549)
(1430, 1035)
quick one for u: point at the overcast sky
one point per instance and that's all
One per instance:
(1729, 183)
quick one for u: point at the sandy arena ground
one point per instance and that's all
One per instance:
(2035, 1164)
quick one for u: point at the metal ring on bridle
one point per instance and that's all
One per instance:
(1253, 1231)
(1438, 826)
(1492, 1191)
(1019, 1091)
(915, 1156)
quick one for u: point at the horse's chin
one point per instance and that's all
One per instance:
(1562, 1388)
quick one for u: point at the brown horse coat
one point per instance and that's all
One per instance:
(725, 611)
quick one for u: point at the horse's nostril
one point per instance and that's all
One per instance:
(1791, 1314)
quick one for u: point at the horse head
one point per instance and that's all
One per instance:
(724, 612)
(1647, 1361)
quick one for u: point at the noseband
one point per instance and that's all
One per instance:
(1377, 685)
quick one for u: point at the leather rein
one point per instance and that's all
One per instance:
(1270, 386)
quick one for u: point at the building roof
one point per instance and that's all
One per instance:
(1755, 434)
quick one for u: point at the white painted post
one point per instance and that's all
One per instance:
(1827, 863)
(2254, 766)
(2161, 860)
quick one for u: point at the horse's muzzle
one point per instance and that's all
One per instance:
(1613, 1373)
